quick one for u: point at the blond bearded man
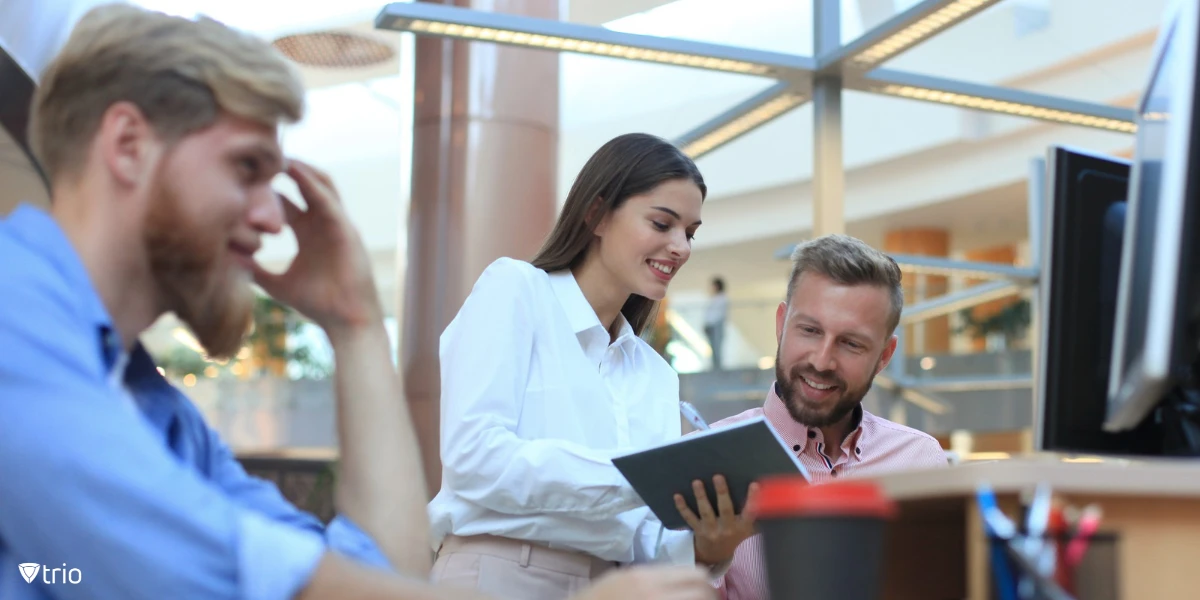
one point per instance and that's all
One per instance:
(159, 138)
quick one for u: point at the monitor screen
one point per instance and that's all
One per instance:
(1152, 282)
(1085, 226)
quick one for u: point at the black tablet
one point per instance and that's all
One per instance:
(743, 452)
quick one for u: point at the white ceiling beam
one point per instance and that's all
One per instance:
(424, 18)
(750, 114)
(900, 34)
(994, 99)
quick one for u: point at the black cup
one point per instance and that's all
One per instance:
(822, 542)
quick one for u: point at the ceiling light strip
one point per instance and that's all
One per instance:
(751, 114)
(996, 99)
(1012, 108)
(910, 28)
(460, 23)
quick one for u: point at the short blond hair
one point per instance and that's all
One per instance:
(849, 261)
(181, 74)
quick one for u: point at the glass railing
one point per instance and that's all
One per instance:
(262, 410)
(749, 330)
(981, 392)
(748, 336)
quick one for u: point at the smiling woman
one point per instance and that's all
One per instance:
(545, 379)
(661, 182)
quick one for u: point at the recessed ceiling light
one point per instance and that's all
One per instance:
(334, 50)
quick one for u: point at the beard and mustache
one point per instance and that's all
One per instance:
(810, 413)
(216, 304)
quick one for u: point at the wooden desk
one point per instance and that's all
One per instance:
(937, 550)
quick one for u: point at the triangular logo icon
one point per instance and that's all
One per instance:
(29, 571)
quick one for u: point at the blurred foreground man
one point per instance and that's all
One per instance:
(836, 332)
(159, 137)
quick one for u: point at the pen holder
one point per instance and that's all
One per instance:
(1095, 577)
(812, 534)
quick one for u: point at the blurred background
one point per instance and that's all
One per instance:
(920, 179)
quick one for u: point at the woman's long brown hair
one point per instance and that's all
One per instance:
(628, 165)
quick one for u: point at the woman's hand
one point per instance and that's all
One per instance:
(717, 532)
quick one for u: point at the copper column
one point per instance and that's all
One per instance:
(485, 153)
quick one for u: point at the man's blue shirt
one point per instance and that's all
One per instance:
(120, 477)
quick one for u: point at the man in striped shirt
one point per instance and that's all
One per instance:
(836, 332)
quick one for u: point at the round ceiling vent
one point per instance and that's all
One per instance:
(334, 50)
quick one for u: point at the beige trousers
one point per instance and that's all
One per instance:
(515, 570)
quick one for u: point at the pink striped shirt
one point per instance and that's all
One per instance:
(876, 446)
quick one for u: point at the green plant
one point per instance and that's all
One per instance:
(1012, 321)
(273, 342)
(181, 361)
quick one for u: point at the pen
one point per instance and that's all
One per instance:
(1036, 521)
(1035, 544)
(994, 519)
(1089, 522)
(692, 415)
(1001, 532)
(1059, 534)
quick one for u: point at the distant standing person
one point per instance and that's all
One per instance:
(714, 320)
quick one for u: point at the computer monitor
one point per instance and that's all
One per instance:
(1085, 223)
(1153, 367)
